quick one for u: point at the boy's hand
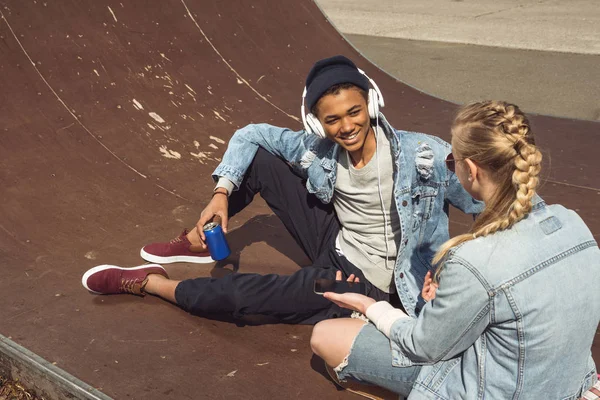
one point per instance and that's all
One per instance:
(216, 209)
(351, 301)
(351, 278)
(429, 287)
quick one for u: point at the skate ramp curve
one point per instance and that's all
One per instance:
(112, 117)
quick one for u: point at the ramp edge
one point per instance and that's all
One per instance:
(42, 377)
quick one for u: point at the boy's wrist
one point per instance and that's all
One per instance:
(220, 191)
(224, 185)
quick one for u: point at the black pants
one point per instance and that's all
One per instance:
(288, 299)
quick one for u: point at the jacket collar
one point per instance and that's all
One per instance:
(537, 202)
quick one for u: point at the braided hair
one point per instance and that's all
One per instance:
(496, 135)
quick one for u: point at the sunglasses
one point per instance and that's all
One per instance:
(451, 162)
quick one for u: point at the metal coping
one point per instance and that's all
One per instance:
(42, 377)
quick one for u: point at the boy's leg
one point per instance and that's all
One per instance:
(312, 224)
(161, 286)
(289, 299)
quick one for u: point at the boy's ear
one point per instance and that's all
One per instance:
(315, 110)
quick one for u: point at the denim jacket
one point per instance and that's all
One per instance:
(423, 187)
(514, 317)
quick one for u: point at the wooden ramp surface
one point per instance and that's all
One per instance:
(112, 117)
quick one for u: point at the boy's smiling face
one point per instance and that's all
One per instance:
(345, 118)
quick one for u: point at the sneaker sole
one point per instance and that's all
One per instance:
(173, 259)
(99, 268)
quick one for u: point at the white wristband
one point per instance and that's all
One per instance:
(383, 315)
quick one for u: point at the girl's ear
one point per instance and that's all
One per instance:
(473, 169)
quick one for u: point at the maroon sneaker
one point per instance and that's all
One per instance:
(177, 250)
(110, 279)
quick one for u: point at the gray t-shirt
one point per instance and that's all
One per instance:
(358, 207)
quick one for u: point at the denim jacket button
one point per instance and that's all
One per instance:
(404, 203)
(401, 275)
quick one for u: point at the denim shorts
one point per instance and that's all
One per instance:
(370, 362)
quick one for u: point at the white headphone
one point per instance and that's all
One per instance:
(374, 103)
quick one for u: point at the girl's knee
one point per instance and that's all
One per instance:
(319, 338)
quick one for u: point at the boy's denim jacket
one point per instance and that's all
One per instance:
(423, 187)
(514, 317)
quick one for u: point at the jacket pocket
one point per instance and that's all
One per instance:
(586, 384)
(439, 373)
(423, 200)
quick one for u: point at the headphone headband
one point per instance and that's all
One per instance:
(379, 95)
(302, 111)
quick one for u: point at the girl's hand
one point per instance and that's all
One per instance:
(429, 287)
(351, 301)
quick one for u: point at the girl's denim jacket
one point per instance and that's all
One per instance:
(423, 188)
(514, 317)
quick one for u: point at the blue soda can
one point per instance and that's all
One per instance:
(215, 240)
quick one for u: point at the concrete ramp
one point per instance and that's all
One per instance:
(112, 116)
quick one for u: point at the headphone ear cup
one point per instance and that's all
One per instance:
(373, 104)
(315, 125)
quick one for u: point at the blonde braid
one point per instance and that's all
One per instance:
(497, 136)
(527, 162)
(525, 177)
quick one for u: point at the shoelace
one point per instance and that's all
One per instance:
(176, 240)
(179, 239)
(129, 286)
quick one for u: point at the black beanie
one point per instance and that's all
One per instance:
(328, 72)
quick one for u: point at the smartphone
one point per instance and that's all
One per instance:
(329, 285)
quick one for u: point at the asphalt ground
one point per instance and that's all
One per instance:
(541, 82)
(543, 55)
(549, 25)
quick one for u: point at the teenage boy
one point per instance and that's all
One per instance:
(357, 195)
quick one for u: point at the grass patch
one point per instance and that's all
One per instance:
(14, 390)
